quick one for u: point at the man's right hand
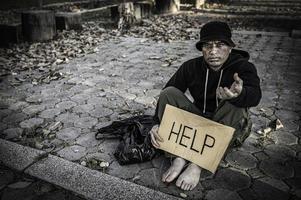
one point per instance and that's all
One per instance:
(155, 137)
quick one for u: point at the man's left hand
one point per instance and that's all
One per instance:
(233, 92)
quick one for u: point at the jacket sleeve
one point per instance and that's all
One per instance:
(179, 79)
(251, 92)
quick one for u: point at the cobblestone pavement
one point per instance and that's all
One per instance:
(17, 186)
(125, 78)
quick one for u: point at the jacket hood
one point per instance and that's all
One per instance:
(241, 53)
(236, 56)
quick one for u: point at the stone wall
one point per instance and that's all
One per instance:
(17, 4)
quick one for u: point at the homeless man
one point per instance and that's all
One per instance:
(223, 85)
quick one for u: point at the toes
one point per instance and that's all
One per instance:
(192, 186)
(183, 186)
(165, 176)
(179, 182)
(170, 177)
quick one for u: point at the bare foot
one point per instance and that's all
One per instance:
(174, 170)
(190, 177)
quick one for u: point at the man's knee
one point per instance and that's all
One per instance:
(236, 117)
(171, 91)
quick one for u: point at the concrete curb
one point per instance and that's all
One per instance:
(89, 183)
(265, 33)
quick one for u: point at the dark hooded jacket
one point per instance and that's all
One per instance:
(202, 81)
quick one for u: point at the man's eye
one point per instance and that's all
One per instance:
(221, 44)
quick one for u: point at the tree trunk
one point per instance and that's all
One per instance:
(10, 34)
(68, 21)
(199, 3)
(127, 16)
(38, 25)
(143, 9)
(167, 6)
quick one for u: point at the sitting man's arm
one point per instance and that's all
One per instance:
(179, 79)
(245, 90)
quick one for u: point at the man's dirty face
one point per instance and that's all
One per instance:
(216, 53)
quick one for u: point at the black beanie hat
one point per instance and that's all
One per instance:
(215, 30)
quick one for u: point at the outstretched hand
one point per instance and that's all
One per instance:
(155, 137)
(234, 91)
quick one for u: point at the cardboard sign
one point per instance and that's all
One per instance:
(194, 138)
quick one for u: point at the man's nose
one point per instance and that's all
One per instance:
(213, 50)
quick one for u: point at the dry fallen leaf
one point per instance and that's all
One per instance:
(183, 195)
(104, 164)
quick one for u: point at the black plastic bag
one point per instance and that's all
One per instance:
(135, 144)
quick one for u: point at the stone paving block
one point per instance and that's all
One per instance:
(297, 168)
(32, 110)
(102, 124)
(265, 191)
(18, 105)
(3, 126)
(126, 95)
(100, 156)
(19, 184)
(96, 101)
(65, 105)
(229, 179)
(124, 171)
(15, 118)
(294, 183)
(146, 84)
(261, 156)
(88, 140)
(279, 152)
(100, 112)
(93, 184)
(161, 162)
(255, 173)
(68, 134)
(12, 133)
(67, 118)
(4, 113)
(50, 102)
(242, 160)
(290, 126)
(283, 137)
(64, 96)
(7, 177)
(259, 122)
(250, 144)
(80, 98)
(276, 168)
(150, 101)
(248, 194)
(16, 156)
(50, 113)
(287, 115)
(86, 108)
(222, 194)
(49, 92)
(18, 194)
(36, 98)
(172, 189)
(85, 122)
(72, 153)
(149, 178)
(31, 123)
